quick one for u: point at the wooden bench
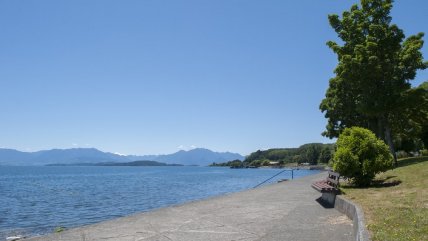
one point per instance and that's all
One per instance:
(328, 187)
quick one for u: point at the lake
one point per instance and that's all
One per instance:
(36, 200)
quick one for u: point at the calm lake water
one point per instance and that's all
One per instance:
(36, 200)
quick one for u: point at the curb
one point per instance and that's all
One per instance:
(355, 213)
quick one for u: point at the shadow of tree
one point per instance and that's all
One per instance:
(383, 183)
(378, 183)
(411, 161)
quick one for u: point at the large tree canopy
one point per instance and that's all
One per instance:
(424, 126)
(371, 88)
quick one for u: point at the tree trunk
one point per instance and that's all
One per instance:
(388, 139)
(380, 131)
(384, 132)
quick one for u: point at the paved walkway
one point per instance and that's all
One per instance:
(283, 211)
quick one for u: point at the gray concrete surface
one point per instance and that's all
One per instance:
(283, 211)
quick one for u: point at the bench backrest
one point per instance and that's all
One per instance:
(333, 178)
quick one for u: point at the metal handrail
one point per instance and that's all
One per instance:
(292, 176)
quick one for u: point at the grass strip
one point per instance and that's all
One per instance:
(396, 206)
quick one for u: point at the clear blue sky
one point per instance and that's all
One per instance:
(151, 77)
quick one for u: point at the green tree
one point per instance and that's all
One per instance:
(371, 88)
(325, 155)
(259, 163)
(424, 126)
(254, 156)
(360, 155)
(410, 131)
(311, 152)
(235, 163)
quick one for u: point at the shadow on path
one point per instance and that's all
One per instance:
(323, 203)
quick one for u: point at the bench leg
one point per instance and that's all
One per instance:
(329, 198)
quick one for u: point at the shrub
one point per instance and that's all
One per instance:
(360, 155)
(424, 152)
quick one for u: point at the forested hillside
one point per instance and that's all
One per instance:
(312, 153)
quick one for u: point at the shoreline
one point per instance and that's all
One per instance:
(42, 227)
(183, 220)
(27, 235)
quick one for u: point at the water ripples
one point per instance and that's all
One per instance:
(36, 200)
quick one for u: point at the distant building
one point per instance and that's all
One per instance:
(273, 163)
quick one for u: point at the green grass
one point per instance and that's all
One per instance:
(396, 206)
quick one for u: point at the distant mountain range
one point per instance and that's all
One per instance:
(130, 164)
(198, 156)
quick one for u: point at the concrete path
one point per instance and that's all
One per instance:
(283, 211)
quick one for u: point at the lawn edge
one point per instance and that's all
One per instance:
(356, 214)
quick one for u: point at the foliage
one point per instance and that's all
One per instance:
(312, 153)
(371, 88)
(424, 127)
(424, 152)
(309, 153)
(234, 163)
(395, 209)
(325, 155)
(408, 144)
(414, 135)
(360, 155)
(282, 155)
(424, 85)
(259, 163)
